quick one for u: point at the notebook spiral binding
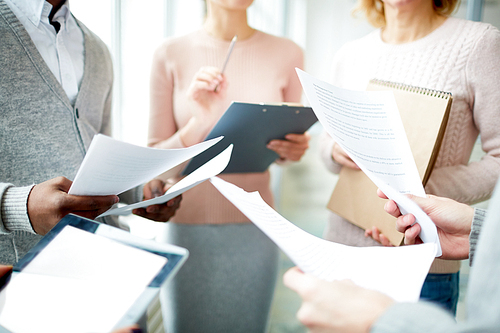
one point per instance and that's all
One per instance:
(413, 89)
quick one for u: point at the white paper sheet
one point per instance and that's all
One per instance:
(80, 282)
(210, 169)
(112, 167)
(368, 127)
(396, 271)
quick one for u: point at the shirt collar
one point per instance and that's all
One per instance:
(36, 10)
(63, 13)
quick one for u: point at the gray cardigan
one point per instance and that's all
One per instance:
(483, 290)
(42, 135)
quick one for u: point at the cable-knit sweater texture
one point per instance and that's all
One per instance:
(461, 57)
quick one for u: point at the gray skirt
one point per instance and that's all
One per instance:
(227, 283)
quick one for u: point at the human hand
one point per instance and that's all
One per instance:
(207, 104)
(378, 236)
(337, 306)
(207, 100)
(128, 329)
(341, 157)
(49, 202)
(162, 212)
(292, 148)
(5, 269)
(452, 219)
(5, 274)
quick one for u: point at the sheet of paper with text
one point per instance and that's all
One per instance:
(368, 127)
(396, 271)
(112, 167)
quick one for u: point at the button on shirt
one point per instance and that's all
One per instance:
(62, 51)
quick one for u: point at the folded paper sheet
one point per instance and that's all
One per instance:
(112, 167)
(424, 114)
(367, 125)
(210, 169)
(396, 271)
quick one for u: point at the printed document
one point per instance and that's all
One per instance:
(112, 167)
(368, 127)
(210, 169)
(398, 272)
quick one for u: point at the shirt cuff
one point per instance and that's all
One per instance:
(15, 209)
(477, 223)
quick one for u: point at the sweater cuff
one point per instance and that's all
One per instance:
(477, 223)
(15, 209)
(413, 317)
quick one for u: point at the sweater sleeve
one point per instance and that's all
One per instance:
(162, 124)
(422, 317)
(475, 182)
(326, 143)
(14, 208)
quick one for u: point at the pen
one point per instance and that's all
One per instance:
(233, 41)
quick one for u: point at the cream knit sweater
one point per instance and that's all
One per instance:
(462, 57)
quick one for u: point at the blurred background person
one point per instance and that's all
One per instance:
(419, 44)
(228, 282)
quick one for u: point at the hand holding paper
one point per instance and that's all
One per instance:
(209, 169)
(367, 125)
(452, 220)
(112, 167)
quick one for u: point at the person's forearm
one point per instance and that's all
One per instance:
(415, 318)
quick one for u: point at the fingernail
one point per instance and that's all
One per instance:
(117, 199)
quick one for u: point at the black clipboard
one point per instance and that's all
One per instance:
(250, 127)
(175, 256)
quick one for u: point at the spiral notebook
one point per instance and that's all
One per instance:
(424, 113)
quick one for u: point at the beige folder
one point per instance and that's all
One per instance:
(424, 113)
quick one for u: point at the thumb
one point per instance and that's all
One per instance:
(297, 280)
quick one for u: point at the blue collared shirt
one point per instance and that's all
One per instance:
(63, 51)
